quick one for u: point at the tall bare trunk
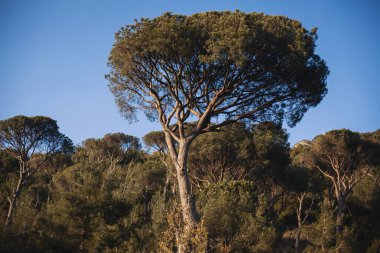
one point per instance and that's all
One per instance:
(187, 202)
(8, 220)
(299, 221)
(339, 217)
(13, 200)
(298, 235)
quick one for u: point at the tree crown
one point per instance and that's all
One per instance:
(228, 65)
(24, 136)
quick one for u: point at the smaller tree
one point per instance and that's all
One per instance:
(344, 158)
(156, 140)
(24, 137)
(304, 184)
(111, 150)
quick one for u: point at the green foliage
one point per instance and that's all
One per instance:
(80, 205)
(321, 234)
(342, 150)
(273, 54)
(23, 136)
(8, 163)
(271, 151)
(219, 156)
(32, 141)
(110, 150)
(156, 140)
(235, 218)
(222, 201)
(103, 212)
(364, 220)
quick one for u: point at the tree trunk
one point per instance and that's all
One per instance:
(339, 217)
(299, 221)
(298, 238)
(339, 223)
(12, 204)
(166, 186)
(187, 202)
(8, 220)
(298, 234)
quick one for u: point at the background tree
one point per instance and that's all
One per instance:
(322, 233)
(364, 201)
(95, 211)
(76, 205)
(345, 159)
(235, 217)
(229, 66)
(303, 183)
(220, 156)
(156, 140)
(24, 137)
(225, 206)
(271, 156)
(109, 150)
(373, 139)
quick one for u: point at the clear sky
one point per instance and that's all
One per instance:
(53, 58)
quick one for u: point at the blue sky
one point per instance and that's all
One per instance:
(53, 58)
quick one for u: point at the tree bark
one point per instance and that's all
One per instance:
(299, 221)
(339, 217)
(180, 158)
(186, 198)
(13, 201)
(298, 237)
(8, 220)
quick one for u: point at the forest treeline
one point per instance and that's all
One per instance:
(253, 192)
